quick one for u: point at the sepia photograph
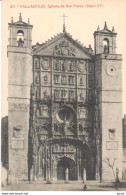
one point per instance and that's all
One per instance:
(63, 118)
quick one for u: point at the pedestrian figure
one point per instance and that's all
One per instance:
(85, 188)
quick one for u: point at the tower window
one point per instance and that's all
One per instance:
(20, 38)
(106, 45)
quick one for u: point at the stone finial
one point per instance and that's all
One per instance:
(98, 29)
(113, 30)
(11, 19)
(105, 26)
(20, 17)
(28, 20)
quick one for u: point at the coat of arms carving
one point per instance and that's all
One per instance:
(64, 49)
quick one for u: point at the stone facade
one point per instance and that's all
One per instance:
(124, 148)
(64, 107)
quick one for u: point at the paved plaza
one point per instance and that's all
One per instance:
(64, 187)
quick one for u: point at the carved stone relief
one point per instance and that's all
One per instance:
(64, 94)
(45, 78)
(112, 134)
(65, 147)
(82, 80)
(81, 95)
(38, 93)
(18, 107)
(45, 63)
(64, 49)
(17, 131)
(90, 67)
(82, 66)
(36, 63)
(57, 79)
(82, 112)
(45, 93)
(37, 78)
(43, 111)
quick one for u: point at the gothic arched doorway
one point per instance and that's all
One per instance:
(62, 165)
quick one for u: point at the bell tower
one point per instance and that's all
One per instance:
(108, 88)
(105, 40)
(20, 33)
(19, 84)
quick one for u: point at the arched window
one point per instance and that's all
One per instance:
(106, 45)
(20, 38)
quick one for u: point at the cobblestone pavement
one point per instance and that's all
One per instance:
(61, 187)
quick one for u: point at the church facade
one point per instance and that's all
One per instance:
(64, 107)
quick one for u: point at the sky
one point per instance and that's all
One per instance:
(84, 16)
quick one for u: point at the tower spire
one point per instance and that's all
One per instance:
(20, 17)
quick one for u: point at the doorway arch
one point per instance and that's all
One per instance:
(62, 165)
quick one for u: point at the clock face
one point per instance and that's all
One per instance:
(82, 66)
(111, 70)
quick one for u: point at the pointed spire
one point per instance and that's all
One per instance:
(20, 17)
(98, 29)
(64, 28)
(28, 21)
(105, 26)
(113, 30)
(11, 19)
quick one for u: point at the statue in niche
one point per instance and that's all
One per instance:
(71, 94)
(45, 94)
(45, 78)
(82, 112)
(64, 93)
(44, 111)
(37, 94)
(71, 66)
(81, 81)
(56, 127)
(64, 79)
(56, 78)
(56, 93)
(63, 66)
(90, 67)
(37, 79)
(81, 96)
(36, 64)
(90, 83)
(57, 65)
(71, 79)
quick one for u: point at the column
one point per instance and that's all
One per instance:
(66, 175)
(84, 176)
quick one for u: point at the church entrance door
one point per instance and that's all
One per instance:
(62, 165)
